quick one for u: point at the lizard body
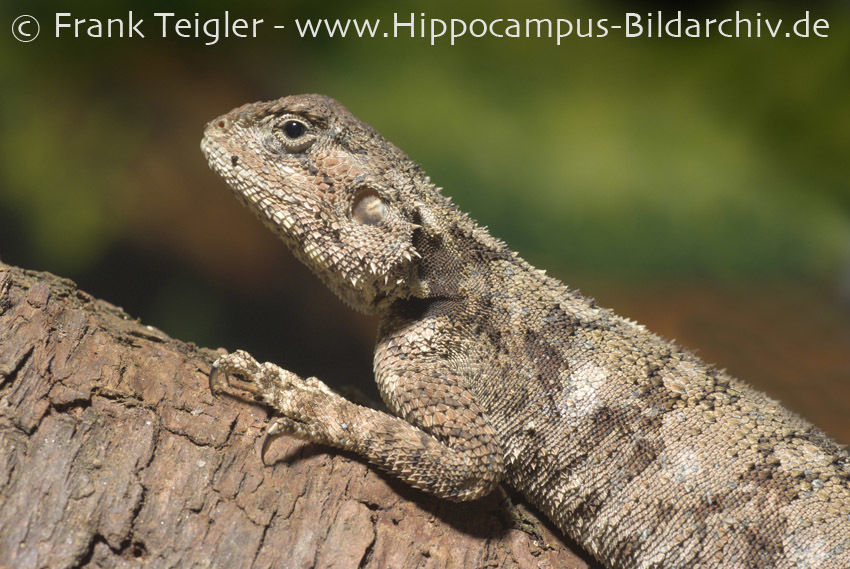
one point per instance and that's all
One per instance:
(495, 372)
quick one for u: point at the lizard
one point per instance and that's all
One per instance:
(495, 373)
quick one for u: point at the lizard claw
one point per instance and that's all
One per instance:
(299, 402)
(219, 378)
(281, 426)
(235, 372)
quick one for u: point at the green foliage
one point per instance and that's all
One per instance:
(711, 157)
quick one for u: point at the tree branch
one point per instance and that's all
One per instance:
(114, 452)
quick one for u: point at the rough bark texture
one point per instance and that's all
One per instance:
(113, 453)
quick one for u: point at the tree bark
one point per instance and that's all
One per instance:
(113, 452)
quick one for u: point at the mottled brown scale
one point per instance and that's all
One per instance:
(494, 372)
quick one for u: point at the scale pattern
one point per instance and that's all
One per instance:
(496, 373)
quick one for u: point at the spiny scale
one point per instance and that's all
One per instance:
(635, 448)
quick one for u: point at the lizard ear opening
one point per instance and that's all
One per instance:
(368, 208)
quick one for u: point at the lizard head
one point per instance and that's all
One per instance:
(331, 187)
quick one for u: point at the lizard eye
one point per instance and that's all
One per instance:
(368, 207)
(294, 134)
(294, 129)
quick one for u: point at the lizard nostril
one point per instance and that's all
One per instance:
(220, 124)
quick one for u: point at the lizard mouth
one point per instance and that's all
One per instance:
(273, 203)
(206, 148)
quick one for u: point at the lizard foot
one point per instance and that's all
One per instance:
(233, 374)
(302, 403)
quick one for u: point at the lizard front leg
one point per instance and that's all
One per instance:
(449, 451)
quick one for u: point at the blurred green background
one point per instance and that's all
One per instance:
(701, 186)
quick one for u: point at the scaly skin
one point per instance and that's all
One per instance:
(636, 449)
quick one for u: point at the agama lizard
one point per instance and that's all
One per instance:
(496, 373)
